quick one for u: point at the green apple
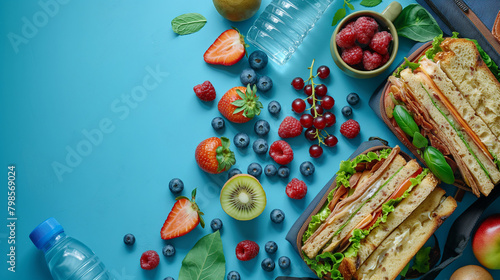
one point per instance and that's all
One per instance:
(237, 10)
(486, 242)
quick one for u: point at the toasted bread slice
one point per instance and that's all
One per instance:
(461, 61)
(334, 222)
(420, 192)
(389, 259)
(457, 99)
(421, 91)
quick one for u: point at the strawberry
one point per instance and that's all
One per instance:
(214, 156)
(228, 49)
(183, 218)
(240, 104)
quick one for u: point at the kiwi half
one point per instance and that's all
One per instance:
(242, 197)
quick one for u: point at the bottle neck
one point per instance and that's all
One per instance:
(53, 241)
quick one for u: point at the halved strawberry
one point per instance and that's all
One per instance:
(183, 218)
(228, 49)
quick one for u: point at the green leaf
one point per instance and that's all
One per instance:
(370, 3)
(188, 23)
(407, 63)
(436, 47)
(421, 262)
(326, 262)
(417, 24)
(340, 14)
(495, 159)
(438, 165)
(487, 60)
(419, 140)
(238, 102)
(405, 120)
(405, 270)
(350, 5)
(205, 260)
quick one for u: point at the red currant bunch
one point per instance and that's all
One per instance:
(317, 117)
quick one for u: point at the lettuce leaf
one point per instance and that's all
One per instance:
(347, 167)
(495, 160)
(387, 208)
(407, 63)
(487, 60)
(430, 53)
(326, 262)
(422, 258)
(319, 218)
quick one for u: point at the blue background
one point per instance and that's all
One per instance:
(71, 76)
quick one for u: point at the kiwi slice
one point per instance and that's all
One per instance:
(243, 197)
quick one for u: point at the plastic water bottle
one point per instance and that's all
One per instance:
(67, 257)
(281, 28)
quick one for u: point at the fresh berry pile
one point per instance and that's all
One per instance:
(318, 118)
(363, 44)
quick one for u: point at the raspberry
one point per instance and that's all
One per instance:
(350, 129)
(380, 42)
(149, 260)
(352, 56)
(296, 189)
(281, 152)
(205, 91)
(371, 60)
(246, 250)
(290, 127)
(365, 28)
(346, 38)
(385, 58)
(350, 25)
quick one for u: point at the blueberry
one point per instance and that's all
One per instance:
(307, 168)
(271, 247)
(274, 107)
(264, 84)
(261, 127)
(284, 262)
(258, 60)
(168, 278)
(260, 146)
(129, 239)
(168, 250)
(218, 123)
(248, 76)
(254, 169)
(233, 172)
(270, 170)
(352, 98)
(277, 216)
(346, 111)
(233, 275)
(241, 140)
(216, 224)
(268, 264)
(283, 172)
(176, 185)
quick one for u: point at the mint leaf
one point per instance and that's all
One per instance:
(205, 260)
(340, 14)
(188, 23)
(370, 3)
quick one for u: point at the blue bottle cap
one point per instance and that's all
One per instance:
(45, 231)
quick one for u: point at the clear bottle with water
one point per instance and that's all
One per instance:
(281, 28)
(67, 258)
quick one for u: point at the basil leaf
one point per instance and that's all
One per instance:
(438, 165)
(188, 23)
(417, 24)
(405, 120)
(370, 3)
(340, 14)
(419, 140)
(205, 261)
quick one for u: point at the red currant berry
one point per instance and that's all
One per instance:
(330, 119)
(321, 90)
(298, 83)
(298, 106)
(323, 72)
(331, 141)
(319, 122)
(319, 110)
(311, 134)
(310, 100)
(315, 151)
(306, 120)
(327, 102)
(308, 90)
